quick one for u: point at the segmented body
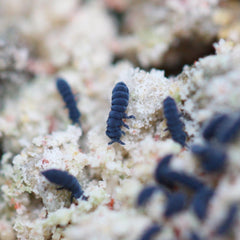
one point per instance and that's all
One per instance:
(214, 125)
(120, 97)
(147, 193)
(201, 202)
(230, 130)
(176, 202)
(66, 181)
(212, 157)
(182, 178)
(150, 232)
(195, 236)
(68, 97)
(162, 167)
(174, 124)
(227, 223)
(169, 178)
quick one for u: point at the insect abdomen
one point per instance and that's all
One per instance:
(213, 125)
(120, 97)
(201, 200)
(150, 232)
(176, 202)
(212, 158)
(68, 97)
(229, 220)
(65, 180)
(230, 130)
(174, 123)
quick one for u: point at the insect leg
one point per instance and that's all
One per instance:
(116, 140)
(111, 142)
(128, 117)
(125, 125)
(119, 141)
(85, 198)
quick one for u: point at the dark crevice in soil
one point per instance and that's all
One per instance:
(1, 149)
(119, 18)
(184, 51)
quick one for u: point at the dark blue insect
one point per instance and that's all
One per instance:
(230, 130)
(162, 167)
(68, 97)
(176, 202)
(194, 236)
(184, 179)
(174, 124)
(201, 201)
(120, 97)
(214, 125)
(212, 158)
(66, 181)
(227, 223)
(150, 232)
(167, 177)
(147, 193)
(164, 162)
